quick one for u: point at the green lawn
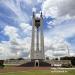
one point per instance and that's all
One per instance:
(42, 72)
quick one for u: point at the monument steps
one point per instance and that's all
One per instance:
(31, 64)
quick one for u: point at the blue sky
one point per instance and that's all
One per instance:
(16, 26)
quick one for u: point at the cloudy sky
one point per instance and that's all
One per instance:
(16, 27)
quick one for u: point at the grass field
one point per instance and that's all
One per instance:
(42, 72)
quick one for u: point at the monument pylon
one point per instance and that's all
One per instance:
(37, 42)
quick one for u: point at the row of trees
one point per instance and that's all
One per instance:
(69, 58)
(1, 63)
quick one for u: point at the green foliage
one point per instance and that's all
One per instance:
(1, 63)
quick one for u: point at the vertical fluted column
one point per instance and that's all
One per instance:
(37, 42)
(33, 37)
(42, 36)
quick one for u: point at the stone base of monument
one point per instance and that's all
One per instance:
(35, 63)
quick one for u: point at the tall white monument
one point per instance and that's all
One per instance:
(37, 42)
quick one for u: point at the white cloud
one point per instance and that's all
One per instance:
(5, 51)
(64, 31)
(40, 1)
(15, 44)
(72, 54)
(24, 43)
(25, 26)
(34, 9)
(20, 49)
(11, 32)
(56, 46)
(15, 7)
(62, 11)
(56, 37)
(58, 8)
(29, 1)
(54, 8)
(32, 2)
(20, 46)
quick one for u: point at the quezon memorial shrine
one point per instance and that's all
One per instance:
(37, 54)
(37, 44)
